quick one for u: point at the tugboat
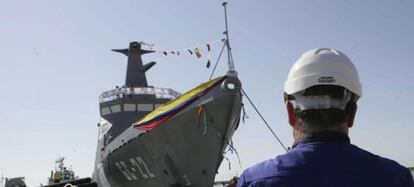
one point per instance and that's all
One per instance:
(62, 174)
(152, 136)
(65, 177)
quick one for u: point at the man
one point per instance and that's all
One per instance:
(321, 95)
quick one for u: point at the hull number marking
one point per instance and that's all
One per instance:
(137, 165)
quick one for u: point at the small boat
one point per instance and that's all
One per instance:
(63, 176)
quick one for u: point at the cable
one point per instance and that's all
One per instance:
(218, 59)
(268, 126)
(237, 154)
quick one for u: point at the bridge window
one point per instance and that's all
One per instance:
(130, 107)
(105, 111)
(116, 108)
(145, 107)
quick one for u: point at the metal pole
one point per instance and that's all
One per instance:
(232, 71)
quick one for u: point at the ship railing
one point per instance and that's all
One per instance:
(165, 93)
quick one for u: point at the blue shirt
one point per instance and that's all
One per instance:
(327, 159)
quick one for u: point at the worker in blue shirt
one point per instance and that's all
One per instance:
(321, 95)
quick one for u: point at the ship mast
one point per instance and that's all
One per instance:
(135, 76)
(232, 71)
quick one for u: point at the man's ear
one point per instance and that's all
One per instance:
(351, 116)
(291, 114)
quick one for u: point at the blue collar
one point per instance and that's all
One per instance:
(325, 136)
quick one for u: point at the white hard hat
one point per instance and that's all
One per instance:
(323, 66)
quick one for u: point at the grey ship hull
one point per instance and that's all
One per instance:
(185, 150)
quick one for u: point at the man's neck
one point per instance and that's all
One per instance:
(337, 128)
(322, 137)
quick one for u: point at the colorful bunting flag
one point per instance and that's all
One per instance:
(197, 52)
(209, 55)
(193, 50)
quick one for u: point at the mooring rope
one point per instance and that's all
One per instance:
(265, 122)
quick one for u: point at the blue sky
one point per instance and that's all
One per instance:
(55, 61)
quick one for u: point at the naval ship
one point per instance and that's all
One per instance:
(151, 136)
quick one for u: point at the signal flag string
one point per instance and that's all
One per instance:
(195, 50)
(189, 50)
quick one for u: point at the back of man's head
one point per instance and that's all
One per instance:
(321, 91)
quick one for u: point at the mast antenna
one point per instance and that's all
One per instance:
(231, 72)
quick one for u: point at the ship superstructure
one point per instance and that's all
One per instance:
(122, 106)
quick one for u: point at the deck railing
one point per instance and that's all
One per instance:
(166, 93)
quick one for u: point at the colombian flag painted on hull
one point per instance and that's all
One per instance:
(168, 110)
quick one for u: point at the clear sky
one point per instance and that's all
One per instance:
(55, 60)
